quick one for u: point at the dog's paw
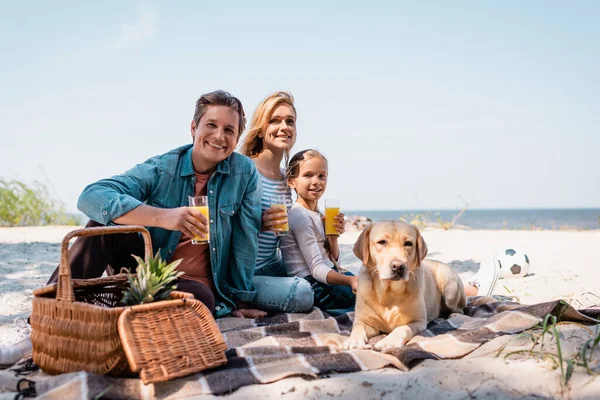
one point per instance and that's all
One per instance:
(388, 344)
(354, 343)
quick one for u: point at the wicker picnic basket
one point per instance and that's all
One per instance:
(75, 325)
(161, 350)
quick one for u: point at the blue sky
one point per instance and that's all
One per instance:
(416, 104)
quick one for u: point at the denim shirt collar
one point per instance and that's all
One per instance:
(187, 167)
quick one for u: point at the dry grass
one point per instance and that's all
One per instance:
(557, 358)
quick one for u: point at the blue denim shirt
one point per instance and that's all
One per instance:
(166, 181)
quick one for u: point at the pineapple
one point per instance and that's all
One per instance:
(153, 281)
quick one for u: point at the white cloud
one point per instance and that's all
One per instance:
(142, 30)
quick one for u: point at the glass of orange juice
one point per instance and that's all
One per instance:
(278, 201)
(332, 208)
(200, 203)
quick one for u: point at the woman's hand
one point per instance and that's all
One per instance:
(249, 313)
(245, 310)
(272, 218)
(189, 220)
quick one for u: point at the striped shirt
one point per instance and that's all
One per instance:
(268, 242)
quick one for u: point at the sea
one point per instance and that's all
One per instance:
(553, 219)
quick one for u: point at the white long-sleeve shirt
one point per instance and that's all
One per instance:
(303, 249)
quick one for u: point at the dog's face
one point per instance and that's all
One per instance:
(391, 249)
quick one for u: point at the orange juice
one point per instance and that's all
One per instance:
(330, 213)
(202, 238)
(285, 228)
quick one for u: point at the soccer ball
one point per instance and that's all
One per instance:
(513, 263)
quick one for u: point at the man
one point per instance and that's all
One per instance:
(155, 194)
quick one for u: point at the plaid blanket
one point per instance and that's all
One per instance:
(307, 345)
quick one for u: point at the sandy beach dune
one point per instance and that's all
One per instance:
(564, 265)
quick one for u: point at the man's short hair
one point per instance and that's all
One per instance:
(220, 98)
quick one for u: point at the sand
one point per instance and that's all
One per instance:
(564, 265)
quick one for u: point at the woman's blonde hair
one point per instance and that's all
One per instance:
(252, 145)
(293, 169)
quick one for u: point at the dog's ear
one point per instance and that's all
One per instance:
(361, 247)
(421, 246)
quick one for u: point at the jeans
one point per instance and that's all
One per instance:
(276, 292)
(333, 299)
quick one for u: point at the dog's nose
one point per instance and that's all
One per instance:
(397, 265)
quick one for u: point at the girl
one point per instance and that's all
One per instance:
(307, 252)
(270, 138)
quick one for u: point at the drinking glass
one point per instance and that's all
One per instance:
(201, 203)
(332, 208)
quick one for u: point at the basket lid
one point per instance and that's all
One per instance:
(170, 339)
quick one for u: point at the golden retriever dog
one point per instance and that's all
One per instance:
(399, 291)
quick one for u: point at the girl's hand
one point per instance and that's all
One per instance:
(354, 284)
(340, 223)
(271, 218)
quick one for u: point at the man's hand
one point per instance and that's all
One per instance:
(190, 221)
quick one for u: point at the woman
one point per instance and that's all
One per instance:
(270, 138)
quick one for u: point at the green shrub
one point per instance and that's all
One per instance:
(418, 220)
(24, 205)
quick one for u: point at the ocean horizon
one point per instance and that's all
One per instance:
(527, 218)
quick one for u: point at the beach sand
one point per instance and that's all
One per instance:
(564, 265)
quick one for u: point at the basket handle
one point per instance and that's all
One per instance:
(64, 289)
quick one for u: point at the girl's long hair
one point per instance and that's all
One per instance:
(252, 145)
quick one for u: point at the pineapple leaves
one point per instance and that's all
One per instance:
(153, 281)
